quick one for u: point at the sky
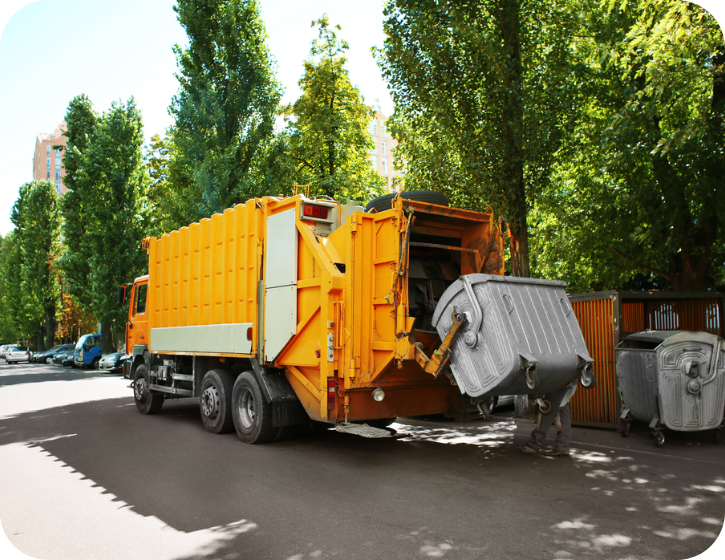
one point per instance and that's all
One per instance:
(53, 50)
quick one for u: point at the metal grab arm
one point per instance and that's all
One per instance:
(437, 363)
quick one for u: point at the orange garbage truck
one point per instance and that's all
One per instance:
(286, 310)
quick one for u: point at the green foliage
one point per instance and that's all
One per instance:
(638, 188)
(224, 110)
(108, 207)
(327, 137)
(81, 121)
(117, 211)
(32, 280)
(10, 296)
(483, 92)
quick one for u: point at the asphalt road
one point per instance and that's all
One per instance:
(83, 475)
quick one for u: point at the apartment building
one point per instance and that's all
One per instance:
(382, 154)
(48, 157)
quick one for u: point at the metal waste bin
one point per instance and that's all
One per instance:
(521, 336)
(672, 379)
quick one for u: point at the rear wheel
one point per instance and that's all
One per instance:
(146, 401)
(251, 412)
(216, 401)
(94, 363)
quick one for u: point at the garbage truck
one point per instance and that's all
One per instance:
(290, 310)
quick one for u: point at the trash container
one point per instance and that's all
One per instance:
(672, 379)
(521, 336)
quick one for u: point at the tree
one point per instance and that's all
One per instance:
(81, 121)
(328, 138)
(226, 104)
(33, 276)
(9, 289)
(116, 211)
(483, 98)
(639, 187)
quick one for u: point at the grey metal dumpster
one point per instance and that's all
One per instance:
(520, 337)
(672, 379)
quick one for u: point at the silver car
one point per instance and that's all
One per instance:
(18, 354)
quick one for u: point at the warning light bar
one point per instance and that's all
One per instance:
(313, 211)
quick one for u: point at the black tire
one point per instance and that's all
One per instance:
(625, 428)
(215, 402)
(94, 363)
(659, 439)
(146, 401)
(48, 360)
(384, 202)
(546, 408)
(251, 412)
(381, 423)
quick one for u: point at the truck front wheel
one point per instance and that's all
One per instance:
(216, 401)
(146, 401)
(251, 412)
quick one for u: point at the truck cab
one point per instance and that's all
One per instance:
(88, 351)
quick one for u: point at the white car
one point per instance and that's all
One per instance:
(5, 348)
(18, 354)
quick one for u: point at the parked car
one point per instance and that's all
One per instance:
(113, 362)
(18, 354)
(88, 351)
(63, 355)
(6, 348)
(48, 355)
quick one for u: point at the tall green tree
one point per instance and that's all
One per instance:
(226, 105)
(37, 222)
(328, 137)
(483, 98)
(116, 211)
(638, 191)
(10, 296)
(81, 120)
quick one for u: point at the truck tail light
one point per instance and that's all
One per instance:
(312, 211)
(331, 390)
(250, 332)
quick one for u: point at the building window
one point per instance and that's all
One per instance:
(385, 168)
(47, 173)
(384, 147)
(47, 150)
(374, 160)
(374, 128)
(57, 186)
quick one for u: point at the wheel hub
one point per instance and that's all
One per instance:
(139, 389)
(210, 402)
(247, 411)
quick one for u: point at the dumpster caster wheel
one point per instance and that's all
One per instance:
(532, 380)
(659, 439)
(588, 379)
(625, 428)
(545, 407)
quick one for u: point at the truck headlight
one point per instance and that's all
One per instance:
(378, 394)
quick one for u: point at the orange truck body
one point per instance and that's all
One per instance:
(336, 301)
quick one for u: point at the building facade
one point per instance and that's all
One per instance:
(48, 157)
(382, 154)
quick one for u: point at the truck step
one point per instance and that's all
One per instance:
(363, 430)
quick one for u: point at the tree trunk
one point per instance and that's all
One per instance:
(107, 339)
(49, 326)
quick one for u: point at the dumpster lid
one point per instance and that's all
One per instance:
(651, 336)
(652, 339)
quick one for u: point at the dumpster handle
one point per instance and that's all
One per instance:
(471, 336)
(714, 363)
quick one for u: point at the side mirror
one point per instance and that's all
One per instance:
(122, 294)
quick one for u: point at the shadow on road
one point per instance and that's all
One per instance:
(439, 491)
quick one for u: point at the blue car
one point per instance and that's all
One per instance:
(88, 351)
